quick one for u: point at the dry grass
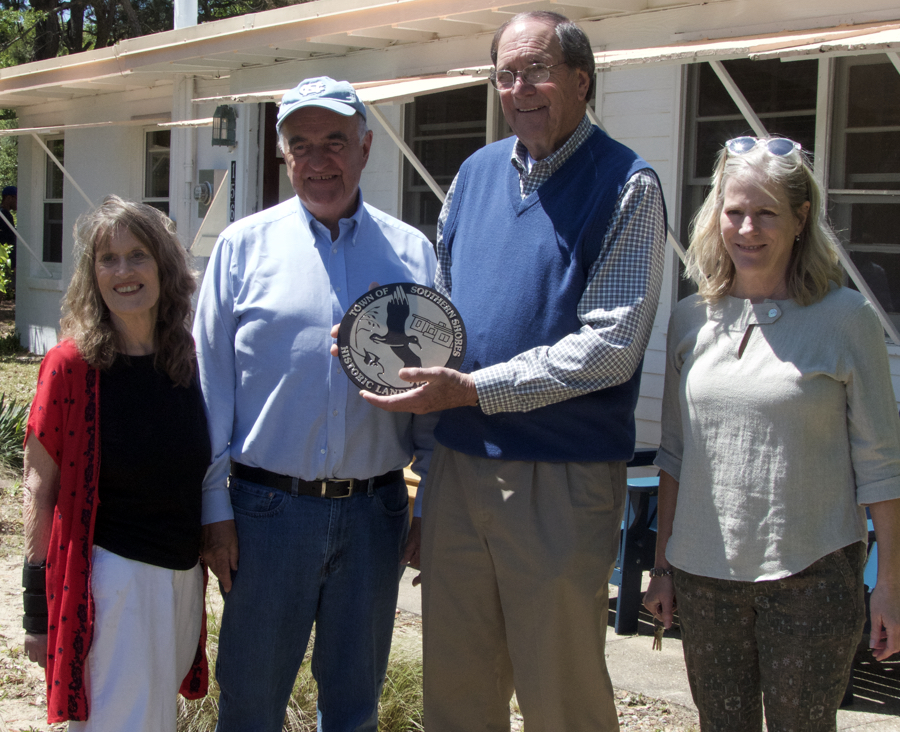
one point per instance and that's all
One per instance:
(12, 542)
(401, 701)
(18, 379)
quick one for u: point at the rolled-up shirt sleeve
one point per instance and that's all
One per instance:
(872, 422)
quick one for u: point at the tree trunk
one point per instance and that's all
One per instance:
(132, 18)
(105, 15)
(46, 31)
(75, 26)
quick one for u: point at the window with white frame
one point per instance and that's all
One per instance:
(864, 181)
(156, 169)
(53, 202)
(443, 129)
(783, 96)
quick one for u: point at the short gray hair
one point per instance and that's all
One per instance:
(574, 42)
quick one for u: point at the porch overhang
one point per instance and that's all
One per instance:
(842, 40)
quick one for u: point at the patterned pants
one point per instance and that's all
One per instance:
(789, 641)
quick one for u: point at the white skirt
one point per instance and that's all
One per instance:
(146, 629)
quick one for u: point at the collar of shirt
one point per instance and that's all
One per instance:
(347, 226)
(534, 176)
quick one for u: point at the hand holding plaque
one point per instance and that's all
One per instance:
(401, 325)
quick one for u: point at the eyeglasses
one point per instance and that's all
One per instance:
(533, 74)
(779, 146)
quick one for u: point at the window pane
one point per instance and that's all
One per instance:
(53, 232)
(871, 233)
(769, 86)
(711, 136)
(442, 157)
(881, 271)
(442, 129)
(873, 159)
(873, 95)
(866, 157)
(159, 206)
(156, 184)
(459, 105)
(54, 177)
(868, 223)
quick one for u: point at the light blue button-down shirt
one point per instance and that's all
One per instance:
(275, 397)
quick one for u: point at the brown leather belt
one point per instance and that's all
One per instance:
(318, 488)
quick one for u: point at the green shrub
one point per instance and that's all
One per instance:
(10, 345)
(6, 273)
(13, 420)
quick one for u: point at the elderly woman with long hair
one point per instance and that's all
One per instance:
(115, 453)
(779, 427)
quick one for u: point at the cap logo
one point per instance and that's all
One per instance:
(316, 87)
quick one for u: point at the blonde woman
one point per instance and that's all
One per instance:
(779, 427)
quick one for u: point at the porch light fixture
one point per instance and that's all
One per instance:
(224, 127)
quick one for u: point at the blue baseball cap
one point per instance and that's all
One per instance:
(321, 91)
(10, 191)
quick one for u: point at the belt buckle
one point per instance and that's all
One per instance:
(351, 485)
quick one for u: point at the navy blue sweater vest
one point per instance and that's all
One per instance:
(519, 271)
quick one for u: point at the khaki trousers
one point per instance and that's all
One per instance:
(516, 557)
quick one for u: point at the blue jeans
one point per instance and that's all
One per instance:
(335, 562)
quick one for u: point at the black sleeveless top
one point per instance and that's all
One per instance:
(154, 451)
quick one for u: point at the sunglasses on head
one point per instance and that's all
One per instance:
(780, 146)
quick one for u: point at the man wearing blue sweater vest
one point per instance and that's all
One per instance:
(551, 245)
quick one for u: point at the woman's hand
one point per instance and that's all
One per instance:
(660, 596)
(660, 600)
(884, 612)
(884, 606)
(36, 648)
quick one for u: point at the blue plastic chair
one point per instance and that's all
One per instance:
(637, 545)
(870, 576)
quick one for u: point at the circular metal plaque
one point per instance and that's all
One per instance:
(396, 326)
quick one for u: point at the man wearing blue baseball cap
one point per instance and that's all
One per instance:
(305, 508)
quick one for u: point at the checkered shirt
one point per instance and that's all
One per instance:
(541, 170)
(616, 309)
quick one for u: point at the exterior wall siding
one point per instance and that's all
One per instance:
(639, 107)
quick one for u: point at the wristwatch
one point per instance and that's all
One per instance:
(660, 572)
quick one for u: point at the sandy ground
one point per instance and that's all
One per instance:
(22, 700)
